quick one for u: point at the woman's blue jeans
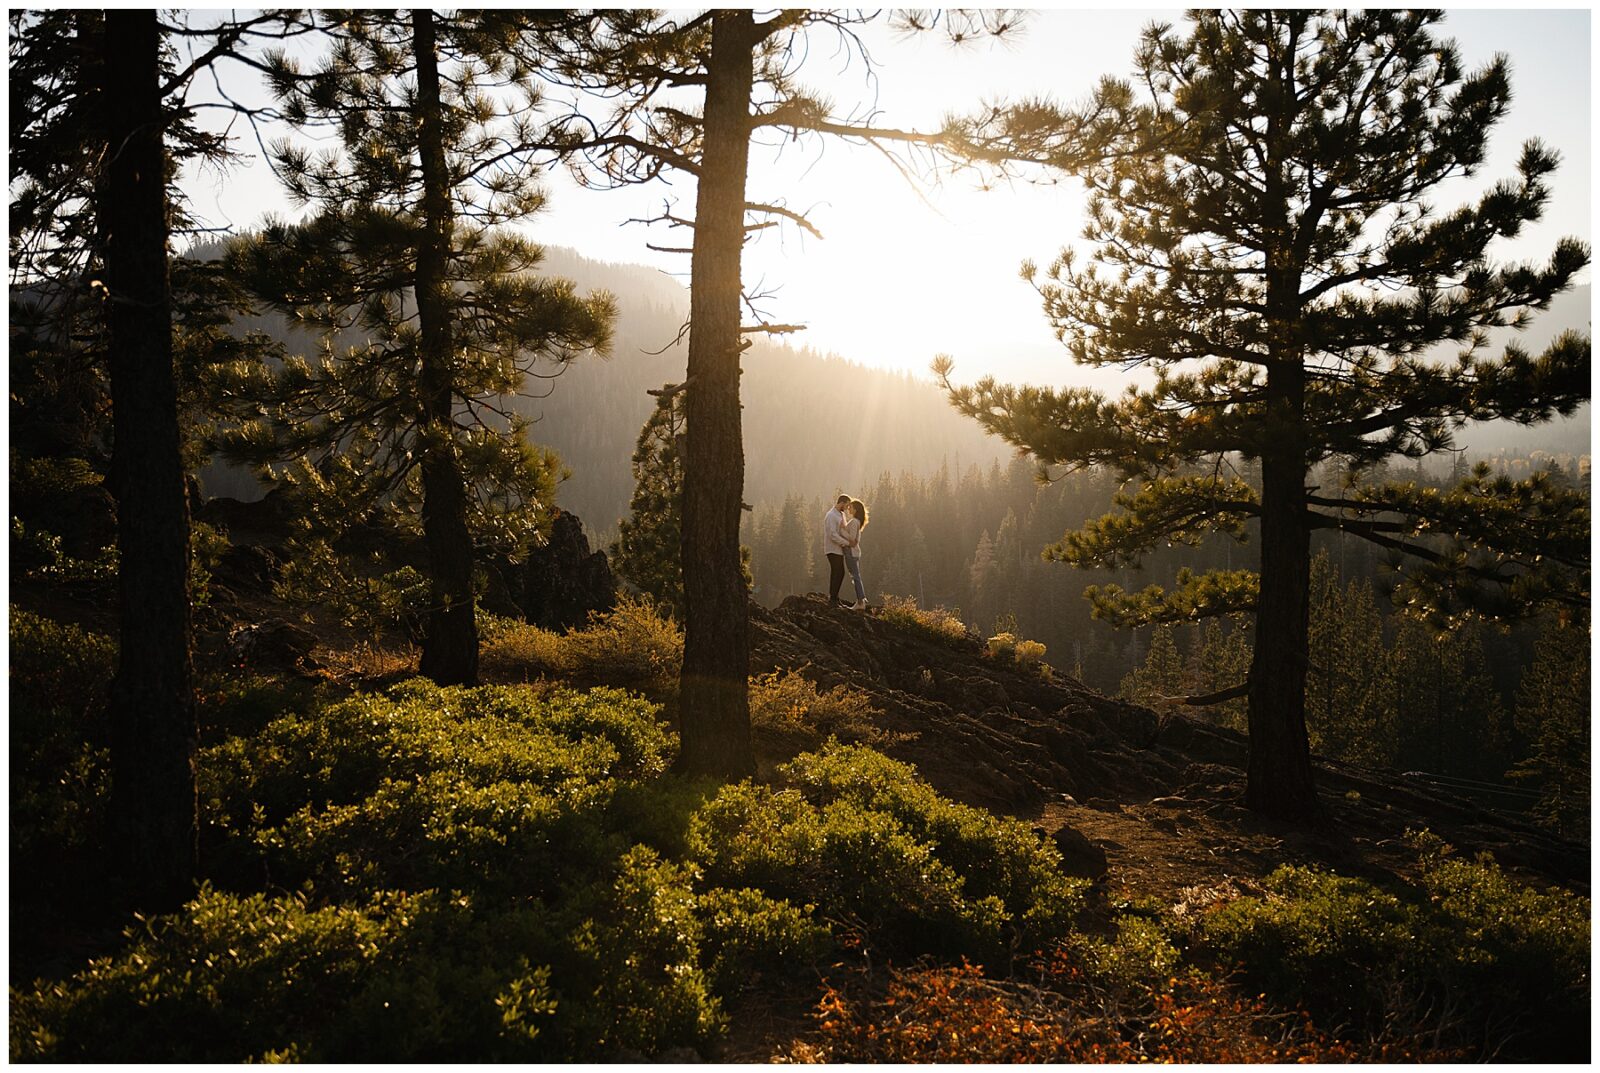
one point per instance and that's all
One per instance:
(854, 563)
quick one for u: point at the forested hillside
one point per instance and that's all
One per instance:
(814, 423)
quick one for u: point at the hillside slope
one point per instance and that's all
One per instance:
(1161, 796)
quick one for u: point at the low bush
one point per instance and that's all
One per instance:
(232, 977)
(423, 786)
(470, 887)
(633, 644)
(749, 935)
(867, 841)
(958, 1013)
(1024, 655)
(788, 701)
(935, 624)
(60, 774)
(231, 704)
(1468, 955)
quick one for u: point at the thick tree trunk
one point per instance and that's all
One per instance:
(713, 697)
(450, 645)
(1280, 780)
(153, 730)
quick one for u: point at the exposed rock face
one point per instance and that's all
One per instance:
(987, 732)
(264, 521)
(272, 643)
(1079, 856)
(1007, 739)
(563, 582)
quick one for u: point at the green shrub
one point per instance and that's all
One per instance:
(422, 786)
(1519, 955)
(237, 703)
(632, 644)
(747, 934)
(997, 855)
(60, 765)
(789, 701)
(637, 980)
(1487, 962)
(867, 840)
(1138, 954)
(935, 624)
(1024, 655)
(232, 978)
(502, 873)
(1331, 943)
(58, 667)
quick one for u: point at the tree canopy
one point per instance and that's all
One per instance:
(409, 255)
(1266, 244)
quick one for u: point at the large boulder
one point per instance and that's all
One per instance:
(563, 582)
(263, 521)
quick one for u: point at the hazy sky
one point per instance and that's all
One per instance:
(900, 276)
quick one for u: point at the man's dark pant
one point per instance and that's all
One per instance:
(835, 576)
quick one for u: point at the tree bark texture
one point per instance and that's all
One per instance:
(450, 644)
(152, 711)
(1280, 781)
(713, 694)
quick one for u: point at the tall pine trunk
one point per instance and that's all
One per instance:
(152, 713)
(713, 697)
(450, 644)
(1280, 782)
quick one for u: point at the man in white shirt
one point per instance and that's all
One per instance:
(833, 545)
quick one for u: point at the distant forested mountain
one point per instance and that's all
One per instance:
(814, 424)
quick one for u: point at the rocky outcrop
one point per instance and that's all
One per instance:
(986, 732)
(563, 582)
(263, 521)
(1009, 739)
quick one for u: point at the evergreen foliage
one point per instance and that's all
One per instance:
(1162, 678)
(1266, 244)
(1466, 953)
(1552, 711)
(507, 873)
(649, 542)
(410, 248)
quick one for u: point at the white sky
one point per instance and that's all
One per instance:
(900, 277)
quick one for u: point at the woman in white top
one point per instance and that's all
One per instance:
(855, 521)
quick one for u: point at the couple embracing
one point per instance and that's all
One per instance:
(841, 542)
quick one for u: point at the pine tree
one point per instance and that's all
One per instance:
(114, 330)
(649, 544)
(1267, 247)
(1219, 661)
(409, 249)
(791, 549)
(747, 68)
(1553, 712)
(1447, 715)
(153, 728)
(1162, 677)
(982, 578)
(1349, 692)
